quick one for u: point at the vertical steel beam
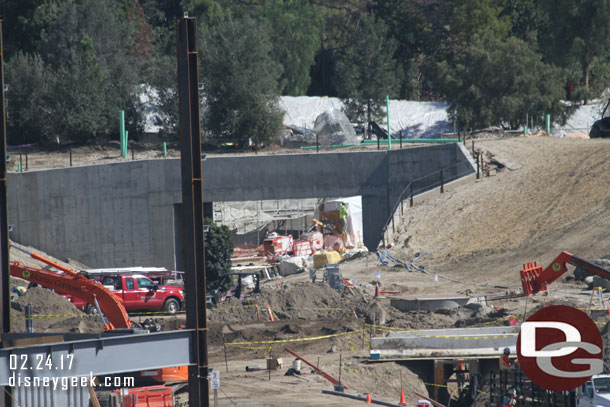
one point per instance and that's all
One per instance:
(5, 302)
(189, 130)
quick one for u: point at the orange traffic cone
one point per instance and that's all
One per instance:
(368, 397)
(402, 401)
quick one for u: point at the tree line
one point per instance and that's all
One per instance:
(71, 65)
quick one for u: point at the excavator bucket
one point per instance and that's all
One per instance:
(529, 278)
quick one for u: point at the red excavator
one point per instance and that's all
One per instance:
(535, 279)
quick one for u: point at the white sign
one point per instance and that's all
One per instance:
(215, 379)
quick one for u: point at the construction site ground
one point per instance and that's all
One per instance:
(546, 196)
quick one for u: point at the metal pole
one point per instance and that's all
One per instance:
(70, 157)
(5, 298)
(478, 165)
(401, 139)
(442, 185)
(122, 131)
(133, 154)
(20, 162)
(29, 326)
(317, 143)
(387, 109)
(189, 131)
(411, 196)
(26, 161)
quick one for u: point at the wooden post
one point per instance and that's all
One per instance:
(478, 165)
(225, 346)
(70, 157)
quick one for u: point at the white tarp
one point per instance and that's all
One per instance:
(415, 119)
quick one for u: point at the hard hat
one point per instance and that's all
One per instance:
(506, 351)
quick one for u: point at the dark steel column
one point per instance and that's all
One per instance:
(5, 301)
(192, 204)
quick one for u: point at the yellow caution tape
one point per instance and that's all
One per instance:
(315, 338)
(412, 332)
(38, 316)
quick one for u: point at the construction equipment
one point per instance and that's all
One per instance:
(535, 279)
(69, 282)
(601, 128)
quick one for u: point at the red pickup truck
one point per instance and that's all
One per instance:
(139, 293)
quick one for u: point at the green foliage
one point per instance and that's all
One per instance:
(579, 35)
(476, 17)
(418, 39)
(218, 251)
(240, 82)
(366, 71)
(296, 36)
(89, 72)
(494, 82)
(30, 98)
(528, 18)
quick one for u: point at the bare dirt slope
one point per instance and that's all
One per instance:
(557, 200)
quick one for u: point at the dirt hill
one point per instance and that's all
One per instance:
(557, 198)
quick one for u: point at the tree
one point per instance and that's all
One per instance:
(240, 82)
(418, 37)
(88, 59)
(476, 17)
(218, 251)
(30, 99)
(494, 82)
(296, 34)
(366, 71)
(579, 33)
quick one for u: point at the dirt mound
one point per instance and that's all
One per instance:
(556, 200)
(45, 302)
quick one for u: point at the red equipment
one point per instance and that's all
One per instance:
(535, 279)
(75, 285)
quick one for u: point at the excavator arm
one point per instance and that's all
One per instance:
(73, 284)
(79, 287)
(535, 279)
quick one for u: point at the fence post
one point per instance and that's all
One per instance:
(20, 162)
(411, 196)
(70, 157)
(317, 143)
(400, 138)
(26, 161)
(478, 165)
(392, 215)
(442, 185)
(473, 148)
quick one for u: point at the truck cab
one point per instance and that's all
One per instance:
(595, 392)
(139, 293)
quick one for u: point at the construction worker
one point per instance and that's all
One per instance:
(510, 400)
(505, 362)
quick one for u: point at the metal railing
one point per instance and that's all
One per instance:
(435, 179)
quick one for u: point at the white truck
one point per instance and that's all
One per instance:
(595, 392)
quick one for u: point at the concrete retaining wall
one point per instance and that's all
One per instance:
(122, 214)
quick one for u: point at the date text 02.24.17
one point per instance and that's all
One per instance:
(40, 362)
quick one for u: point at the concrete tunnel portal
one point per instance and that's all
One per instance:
(123, 214)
